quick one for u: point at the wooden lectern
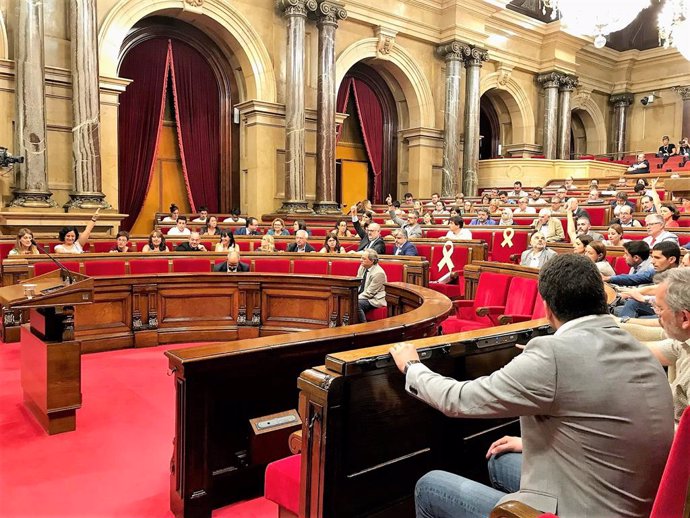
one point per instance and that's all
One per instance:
(51, 366)
(680, 187)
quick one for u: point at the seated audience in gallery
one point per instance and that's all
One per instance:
(536, 197)
(614, 236)
(300, 245)
(666, 150)
(121, 244)
(372, 288)
(638, 258)
(235, 218)
(440, 209)
(456, 232)
(203, 215)
(232, 264)
(468, 207)
(538, 254)
(641, 166)
(24, 244)
(684, 204)
(589, 391)
(409, 198)
(517, 191)
(523, 207)
(556, 204)
(503, 196)
(300, 224)
(594, 197)
(193, 245)
(656, 230)
(156, 243)
(331, 245)
(278, 228)
(211, 228)
(71, 241)
(684, 151)
(428, 219)
(483, 218)
(494, 206)
(569, 184)
(551, 228)
(620, 202)
(180, 228)
(402, 245)
(250, 228)
(268, 244)
(226, 242)
(435, 198)
(174, 214)
(580, 226)
(506, 217)
(667, 209)
(341, 229)
(596, 252)
(486, 199)
(625, 218)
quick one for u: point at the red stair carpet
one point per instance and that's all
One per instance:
(116, 463)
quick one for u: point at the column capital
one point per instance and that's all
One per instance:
(474, 56)
(329, 13)
(452, 50)
(296, 7)
(683, 91)
(568, 83)
(623, 100)
(551, 79)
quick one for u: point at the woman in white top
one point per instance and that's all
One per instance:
(615, 236)
(71, 242)
(596, 251)
(226, 243)
(174, 214)
(456, 232)
(506, 217)
(156, 243)
(440, 209)
(24, 244)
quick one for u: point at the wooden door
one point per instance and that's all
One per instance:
(353, 182)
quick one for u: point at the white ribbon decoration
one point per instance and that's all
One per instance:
(508, 237)
(447, 256)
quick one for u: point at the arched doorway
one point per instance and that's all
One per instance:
(368, 138)
(489, 129)
(578, 135)
(211, 165)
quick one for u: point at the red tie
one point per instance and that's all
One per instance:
(651, 243)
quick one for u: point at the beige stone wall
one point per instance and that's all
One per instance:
(252, 35)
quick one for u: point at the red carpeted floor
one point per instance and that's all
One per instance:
(116, 464)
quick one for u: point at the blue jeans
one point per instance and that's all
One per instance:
(440, 494)
(635, 309)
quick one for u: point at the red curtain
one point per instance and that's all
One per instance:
(142, 107)
(342, 100)
(370, 116)
(197, 112)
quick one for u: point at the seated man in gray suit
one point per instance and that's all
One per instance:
(372, 289)
(231, 264)
(538, 254)
(596, 413)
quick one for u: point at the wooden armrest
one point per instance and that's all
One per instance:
(490, 310)
(514, 509)
(511, 319)
(295, 442)
(463, 303)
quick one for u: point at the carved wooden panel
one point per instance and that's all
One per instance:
(197, 305)
(279, 307)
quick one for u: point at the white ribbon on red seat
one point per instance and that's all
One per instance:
(508, 237)
(447, 259)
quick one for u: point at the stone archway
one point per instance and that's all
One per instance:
(233, 34)
(591, 122)
(507, 95)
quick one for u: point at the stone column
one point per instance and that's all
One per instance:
(452, 54)
(328, 14)
(296, 13)
(566, 86)
(684, 92)
(621, 103)
(31, 178)
(473, 57)
(550, 83)
(86, 133)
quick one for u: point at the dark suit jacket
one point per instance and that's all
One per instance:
(628, 203)
(242, 231)
(185, 247)
(580, 212)
(292, 247)
(379, 245)
(407, 249)
(223, 267)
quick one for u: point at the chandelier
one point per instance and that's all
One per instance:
(596, 18)
(674, 26)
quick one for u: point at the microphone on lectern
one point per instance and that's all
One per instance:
(65, 274)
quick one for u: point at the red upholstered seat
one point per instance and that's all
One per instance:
(100, 247)
(394, 272)
(272, 265)
(521, 297)
(208, 245)
(98, 268)
(377, 314)
(191, 265)
(310, 267)
(5, 249)
(243, 244)
(673, 488)
(41, 268)
(459, 257)
(423, 250)
(144, 266)
(319, 232)
(434, 233)
(620, 266)
(500, 253)
(344, 267)
(492, 291)
(280, 245)
(350, 246)
(282, 482)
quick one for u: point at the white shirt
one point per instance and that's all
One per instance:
(74, 249)
(462, 235)
(177, 232)
(528, 210)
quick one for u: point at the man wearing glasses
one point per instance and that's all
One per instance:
(657, 231)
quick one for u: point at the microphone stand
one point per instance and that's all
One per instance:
(65, 274)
